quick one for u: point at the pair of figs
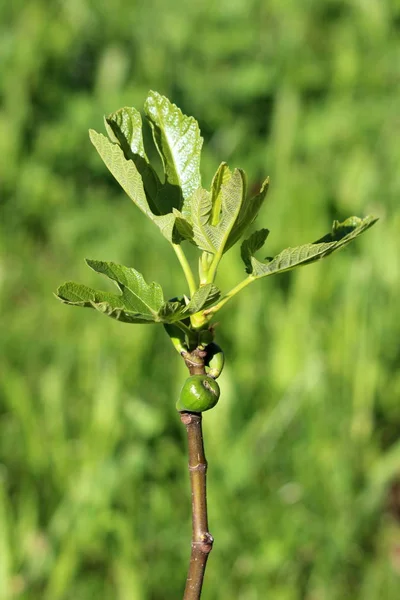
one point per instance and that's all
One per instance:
(201, 392)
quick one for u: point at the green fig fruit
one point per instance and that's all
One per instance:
(199, 393)
(215, 360)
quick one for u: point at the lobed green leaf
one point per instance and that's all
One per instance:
(183, 226)
(129, 178)
(137, 295)
(247, 214)
(138, 301)
(233, 192)
(213, 215)
(341, 235)
(106, 303)
(251, 245)
(221, 178)
(125, 128)
(201, 207)
(178, 141)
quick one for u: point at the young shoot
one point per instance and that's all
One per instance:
(213, 220)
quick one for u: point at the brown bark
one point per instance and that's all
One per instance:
(202, 540)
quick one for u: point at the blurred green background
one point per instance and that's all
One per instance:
(304, 446)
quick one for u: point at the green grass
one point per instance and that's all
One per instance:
(303, 446)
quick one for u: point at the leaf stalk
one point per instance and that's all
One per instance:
(214, 265)
(240, 286)
(186, 268)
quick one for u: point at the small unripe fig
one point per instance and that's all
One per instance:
(199, 393)
(215, 360)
